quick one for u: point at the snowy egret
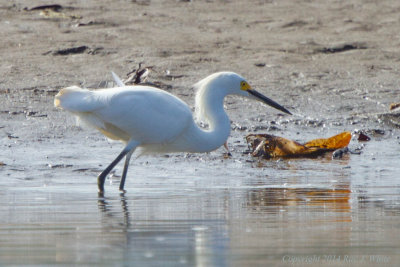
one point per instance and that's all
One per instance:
(155, 120)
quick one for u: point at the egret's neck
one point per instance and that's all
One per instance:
(210, 106)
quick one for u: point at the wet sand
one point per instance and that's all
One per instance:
(334, 65)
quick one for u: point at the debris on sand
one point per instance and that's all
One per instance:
(54, 7)
(394, 106)
(363, 137)
(339, 48)
(259, 64)
(139, 75)
(54, 11)
(338, 153)
(71, 50)
(270, 146)
(76, 50)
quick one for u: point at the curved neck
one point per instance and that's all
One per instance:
(210, 103)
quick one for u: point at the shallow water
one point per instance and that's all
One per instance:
(203, 210)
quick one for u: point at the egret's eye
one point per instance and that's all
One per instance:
(244, 86)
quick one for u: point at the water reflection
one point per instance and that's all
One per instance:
(329, 199)
(105, 206)
(147, 234)
(163, 241)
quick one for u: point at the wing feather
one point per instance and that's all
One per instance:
(146, 114)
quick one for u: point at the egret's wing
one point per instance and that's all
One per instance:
(146, 114)
(142, 113)
(117, 80)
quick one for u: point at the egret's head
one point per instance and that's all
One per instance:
(218, 85)
(247, 91)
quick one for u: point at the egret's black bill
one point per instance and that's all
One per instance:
(268, 101)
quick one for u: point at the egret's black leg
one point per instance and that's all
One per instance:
(228, 153)
(127, 159)
(103, 175)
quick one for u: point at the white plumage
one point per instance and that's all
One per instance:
(155, 120)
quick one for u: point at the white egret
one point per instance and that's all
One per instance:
(155, 120)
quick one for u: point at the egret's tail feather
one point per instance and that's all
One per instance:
(76, 99)
(84, 104)
(81, 103)
(117, 80)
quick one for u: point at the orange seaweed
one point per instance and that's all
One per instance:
(335, 142)
(270, 146)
